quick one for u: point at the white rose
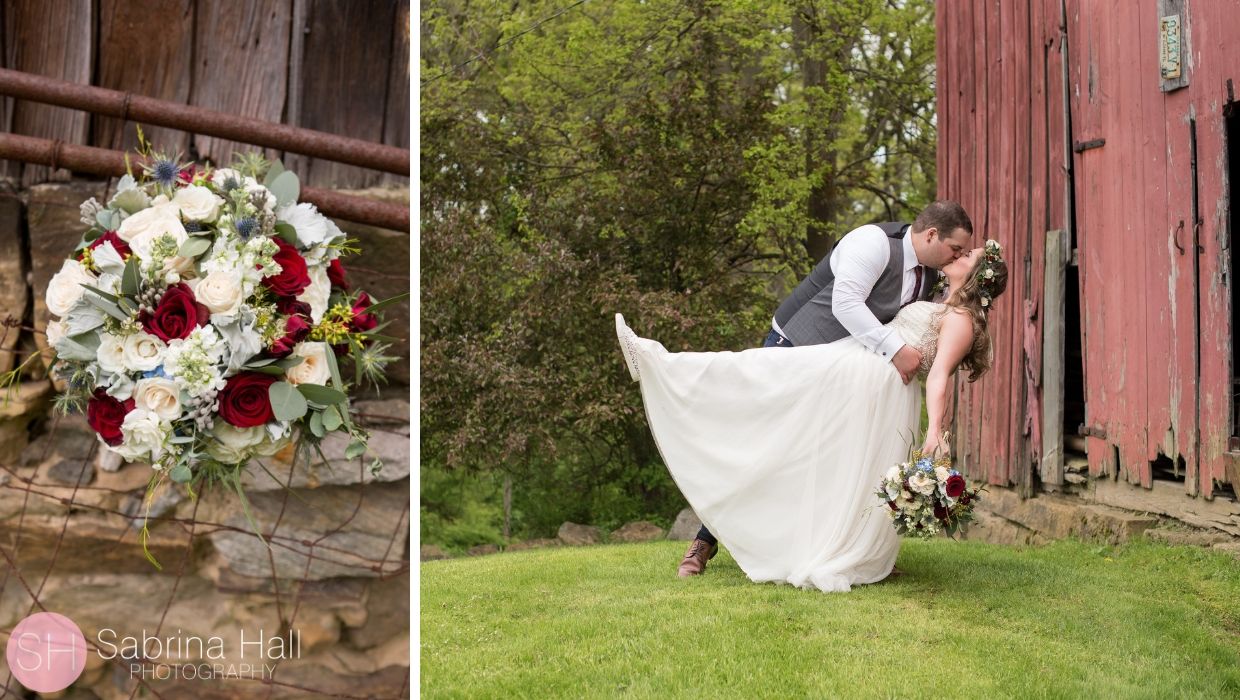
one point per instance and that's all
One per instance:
(313, 369)
(941, 474)
(143, 352)
(220, 292)
(197, 203)
(143, 434)
(141, 230)
(233, 444)
(893, 474)
(922, 483)
(55, 332)
(317, 293)
(178, 268)
(111, 353)
(311, 226)
(159, 396)
(66, 288)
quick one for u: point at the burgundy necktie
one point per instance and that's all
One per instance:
(917, 284)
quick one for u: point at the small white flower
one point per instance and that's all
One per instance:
(313, 369)
(893, 474)
(66, 288)
(111, 353)
(985, 302)
(233, 444)
(990, 274)
(144, 433)
(197, 203)
(141, 230)
(142, 352)
(159, 396)
(941, 474)
(311, 226)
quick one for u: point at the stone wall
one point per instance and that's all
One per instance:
(337, 568)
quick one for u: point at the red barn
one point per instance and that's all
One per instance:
(1096, 142)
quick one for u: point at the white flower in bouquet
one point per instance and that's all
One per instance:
(922, 483)
(159, 396)
(111, 353)
(143, 352)
(233, 444)
(65, 287)
(313, 368)
(893, 474)
(55, 332)
(144, 434)
(310, 225)
(141, 230)
(193, 361)
(221, 292)
(941, 473)
(198, 203)
(317, 294)
(108, 260)
(224, 177)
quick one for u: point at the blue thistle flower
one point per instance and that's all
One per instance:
(246, 227)
(165, 172)
(193, 227)
(230, 183)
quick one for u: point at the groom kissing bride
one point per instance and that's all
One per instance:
(778, 452)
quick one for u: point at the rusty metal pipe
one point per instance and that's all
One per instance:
(199, 120)
(108, 163)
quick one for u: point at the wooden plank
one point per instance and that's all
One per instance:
(1168, 498)
(1051, 467)
(1021, 100)
(994, 435)
(396, 115)
(242, 69)
(130, 62)
(344, 81)
(1210, 84)
(56, 39)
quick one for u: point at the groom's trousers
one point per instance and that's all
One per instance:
(773, 340)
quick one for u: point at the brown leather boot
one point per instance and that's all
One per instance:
(694, 563)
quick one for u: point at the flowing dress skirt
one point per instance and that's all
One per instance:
(779, 452)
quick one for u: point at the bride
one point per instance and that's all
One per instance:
(778, 450)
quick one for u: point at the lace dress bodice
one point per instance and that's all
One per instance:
(918, 325)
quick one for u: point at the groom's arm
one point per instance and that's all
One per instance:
(858, 261)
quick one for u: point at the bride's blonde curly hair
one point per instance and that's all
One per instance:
(975, 296)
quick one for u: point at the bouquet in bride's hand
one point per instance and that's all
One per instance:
(925, 496)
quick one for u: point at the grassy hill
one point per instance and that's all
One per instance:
(1143, 620)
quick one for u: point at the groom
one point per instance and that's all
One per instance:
(872, 272)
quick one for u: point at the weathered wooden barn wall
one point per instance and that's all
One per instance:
(340, 66)
(1001, 145)
(1149, 176)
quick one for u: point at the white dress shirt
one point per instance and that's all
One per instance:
(857, 262)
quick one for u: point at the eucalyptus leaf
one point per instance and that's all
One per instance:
(108, 219)
(128, 305)
(286, 187)
(290, 361)
(268, 369)
(180, 474)
(286, 402)
(355, 449)
(331, 418)
(84, 347)
(273, 171)
(194, 246)
(131, 279)
(287, 232)
(321, 394)
(262, 362)
(107, 307)
(100, 292)
(316, 424)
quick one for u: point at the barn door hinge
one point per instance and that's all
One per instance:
(1097, 431)
(1082, 146)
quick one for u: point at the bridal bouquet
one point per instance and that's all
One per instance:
(925, 496)
(204, 318)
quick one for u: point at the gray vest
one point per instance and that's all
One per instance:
(805, 316)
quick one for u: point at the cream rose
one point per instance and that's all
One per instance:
(197, 203)
(941, 474)
(66, 288)
(141, 230)
(922, 483)
(317, 293)
(313, 368)
(159, 396)
(55, 332)
(233, 444)
(111, 353)
(220, 292)
(143, 434)
(143, 352)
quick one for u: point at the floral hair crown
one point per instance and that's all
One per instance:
(992, 258)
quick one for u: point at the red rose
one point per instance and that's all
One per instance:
(122, 248)
(955, 486)
(296, 329)
(940, 512)
(362, 321)
(294, 277)
(289, 306)
(177, 315)
(893, 505)
(335, 274)
(105, 414)
(244, 402)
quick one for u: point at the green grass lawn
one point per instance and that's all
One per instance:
(1069, 620)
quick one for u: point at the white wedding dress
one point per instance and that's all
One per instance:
(779, 450)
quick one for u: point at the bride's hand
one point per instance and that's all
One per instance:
(929, 447)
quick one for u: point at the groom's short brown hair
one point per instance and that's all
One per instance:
(946, 216)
